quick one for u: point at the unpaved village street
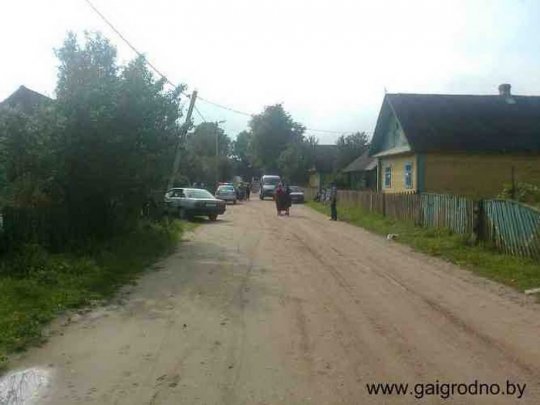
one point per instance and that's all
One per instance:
(261, 309)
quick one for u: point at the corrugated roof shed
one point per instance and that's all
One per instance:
(361, 163)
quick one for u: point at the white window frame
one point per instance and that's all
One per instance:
(389, 169)
(408, 175)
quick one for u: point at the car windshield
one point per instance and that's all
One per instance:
(271, 181)
(295, 189)
(227, 189)
(198, 194)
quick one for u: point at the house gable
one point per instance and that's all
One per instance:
(393, 136)
(389, 136)
(25, 100)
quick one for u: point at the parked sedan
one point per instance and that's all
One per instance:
(192, 202)
(227, 193)
(297, 194)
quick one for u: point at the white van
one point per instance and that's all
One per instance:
(268, 185)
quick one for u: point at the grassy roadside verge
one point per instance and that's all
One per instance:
(515, 272)
(35, 286)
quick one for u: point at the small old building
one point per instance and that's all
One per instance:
(361, 173)
(461, 144)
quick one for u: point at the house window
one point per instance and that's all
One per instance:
(388, 177)
(408, 175)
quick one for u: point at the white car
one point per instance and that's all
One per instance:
(190, 202)
(226, 193)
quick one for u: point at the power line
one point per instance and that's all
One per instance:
(219, 105)
(199, 113)
(251, 115)
(329, 131)
(226, 108)
(129, 43)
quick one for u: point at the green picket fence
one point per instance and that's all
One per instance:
(402, 206)
(447, 211)
(512, 227)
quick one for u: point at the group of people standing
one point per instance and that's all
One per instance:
(283, 200)
(329, 197)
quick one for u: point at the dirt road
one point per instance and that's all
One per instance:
(260, 309)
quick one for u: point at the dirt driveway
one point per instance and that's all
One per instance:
(260, 309)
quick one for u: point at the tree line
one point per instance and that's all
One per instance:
(83, 165)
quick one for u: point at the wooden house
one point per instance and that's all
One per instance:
(461, 144)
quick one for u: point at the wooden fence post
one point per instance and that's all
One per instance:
(478, 221)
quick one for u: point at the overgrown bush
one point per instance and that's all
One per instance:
(523, 192)
(36, 285)
(84, 165)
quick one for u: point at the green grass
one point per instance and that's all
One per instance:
(513, 271)
(35, 286)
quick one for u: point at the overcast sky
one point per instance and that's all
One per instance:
(327, 61)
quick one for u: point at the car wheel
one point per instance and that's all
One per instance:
(182, 213)
(234, 202)
(212, 217)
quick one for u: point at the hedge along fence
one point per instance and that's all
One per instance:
(511, 227)
(23, 225)
(56, 228)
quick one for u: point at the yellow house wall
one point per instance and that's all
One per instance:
(478, 175)
(398, 173)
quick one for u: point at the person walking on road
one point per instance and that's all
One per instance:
(280, 198)
(333, 203)
(248, 190)
(288, 199)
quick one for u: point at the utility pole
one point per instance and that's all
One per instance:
(183, 132)
(217, 154)
(513, 191)
(217, 150)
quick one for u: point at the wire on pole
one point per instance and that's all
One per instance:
(155, 69)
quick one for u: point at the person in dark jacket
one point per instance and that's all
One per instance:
(288, 199)
(333, 203)
(248, 190)
(279, 196)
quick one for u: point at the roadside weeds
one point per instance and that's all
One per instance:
(36, 286)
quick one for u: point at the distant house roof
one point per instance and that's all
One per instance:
(473, 123)
(361, 163)
(25, 99)
(325, 158)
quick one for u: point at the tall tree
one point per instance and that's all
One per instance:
(119, 131)
(271, 133)
(296, 160)
(202, 163)
(350, 147)
(240, 156)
